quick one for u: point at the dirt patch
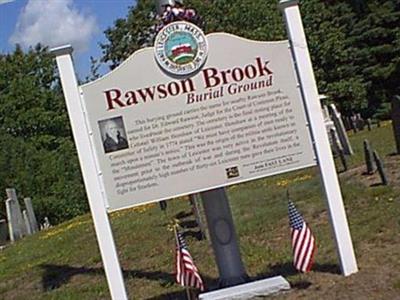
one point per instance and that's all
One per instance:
(391, 166)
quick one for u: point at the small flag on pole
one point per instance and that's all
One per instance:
(303, 241)
(186, 271)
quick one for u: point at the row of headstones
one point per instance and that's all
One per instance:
(357, 123)
(341, 145)
(374, 163)
(20, 222)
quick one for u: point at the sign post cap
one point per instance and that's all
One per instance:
(62, 50)
(287, 3)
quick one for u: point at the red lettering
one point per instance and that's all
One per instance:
(250, 71)
(237, 74)
(147, 92)
(173, 88)
(162, 92)
(113, 97)
(210, 77)
(185, 84)
(131, 98)
(263, 68)
(224, 74)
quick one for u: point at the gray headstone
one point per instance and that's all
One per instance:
(12, 225)
(31, 215)
(368, 158)
(381, 169)
(16, 214)
(27, 223)
(3, 232)
(341, 130)
(329, 125)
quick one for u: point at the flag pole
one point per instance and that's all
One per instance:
(188, 294)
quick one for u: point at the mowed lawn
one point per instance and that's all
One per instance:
(63, 262)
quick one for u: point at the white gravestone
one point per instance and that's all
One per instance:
(16, 214)
(341, 130)
(31, 215)
(12, 224)
(27, 223)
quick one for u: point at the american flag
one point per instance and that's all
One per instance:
(303, 241)
(186, 271)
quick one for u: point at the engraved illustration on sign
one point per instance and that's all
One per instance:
(181, 48)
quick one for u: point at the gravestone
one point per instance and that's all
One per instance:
(338, 149)
(16, 214)
(31, 215)
(27, 223)
(340, 129)
(369, 161)
(3, 232)
(12, 225)
(381, 168)
(328, 123)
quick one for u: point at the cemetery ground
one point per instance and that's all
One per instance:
(63, 262)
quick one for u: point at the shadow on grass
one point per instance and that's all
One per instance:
(170, 296)
(183, 215)
(378, 184)
(287, 269)
(57, 275)
(189, 224)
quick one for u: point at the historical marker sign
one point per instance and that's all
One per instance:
(238, 118)
(145, 133)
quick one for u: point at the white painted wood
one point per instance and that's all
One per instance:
(325, 160)
(88, 166)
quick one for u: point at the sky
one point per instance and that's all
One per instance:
(80, 23)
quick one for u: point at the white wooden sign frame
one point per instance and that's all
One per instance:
(326, 163)
(311, 100)
(88, 166)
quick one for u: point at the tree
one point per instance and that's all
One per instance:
(37, 155)
(354, 44)
(134, 32)
(376, 41)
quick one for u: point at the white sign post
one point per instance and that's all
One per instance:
(89, 172)
(325, 161)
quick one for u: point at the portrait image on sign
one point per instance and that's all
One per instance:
(113, 134)
(181, 48)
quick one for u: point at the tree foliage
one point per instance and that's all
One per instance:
(37, 155)
(354, 44)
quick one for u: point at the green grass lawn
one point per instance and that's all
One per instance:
(64, 262)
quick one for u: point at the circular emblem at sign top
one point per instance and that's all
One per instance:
(181, 48)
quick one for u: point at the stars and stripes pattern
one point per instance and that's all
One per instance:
(186, 271)
(303, 241)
